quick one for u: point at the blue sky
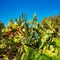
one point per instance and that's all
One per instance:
(13, 8)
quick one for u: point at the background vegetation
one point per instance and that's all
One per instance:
(32, 40)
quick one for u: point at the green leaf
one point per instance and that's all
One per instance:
(44, 38)
(48, 52)
(31, 22)
(25, 41)
(44, 57)
(24, 57)
(57, 41)
(11, 43)
(35, 17)
(18, 57)
(17, 38)
(2, 45)
(55, 58)
(30, 51)
(37, 55)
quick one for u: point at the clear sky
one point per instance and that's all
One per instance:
(13, 8)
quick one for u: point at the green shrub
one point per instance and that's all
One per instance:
(30, 40)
